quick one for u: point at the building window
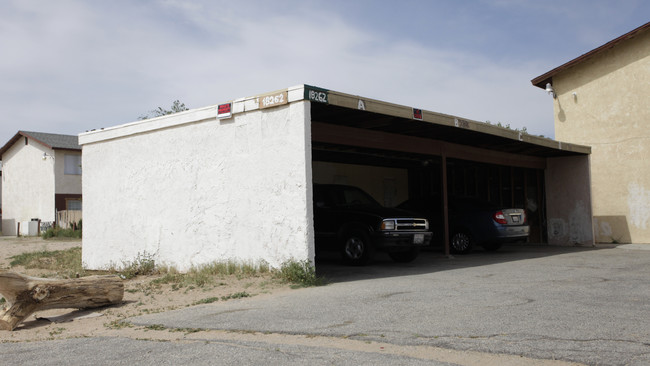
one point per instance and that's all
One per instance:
(73, 204)
(73, 164)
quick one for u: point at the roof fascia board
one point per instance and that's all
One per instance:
(547, 77)
(10, 143)
(395, 110)
(147, 125)
(65, 148)
(241, 105)
(297, 93)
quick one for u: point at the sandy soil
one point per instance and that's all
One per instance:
(141, 298)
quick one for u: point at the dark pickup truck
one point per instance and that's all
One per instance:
(349, 220)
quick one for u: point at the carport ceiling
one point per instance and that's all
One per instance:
(365, 156)
(498, 141)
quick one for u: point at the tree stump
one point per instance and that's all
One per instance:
(26, 295)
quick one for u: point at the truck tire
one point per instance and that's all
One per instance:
(356, 248)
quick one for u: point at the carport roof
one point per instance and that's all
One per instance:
(358, 112)
(347, 111)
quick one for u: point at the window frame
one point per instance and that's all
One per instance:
(72, 167)
(70, 200)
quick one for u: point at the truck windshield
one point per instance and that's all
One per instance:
(351, 196)
(341, 196)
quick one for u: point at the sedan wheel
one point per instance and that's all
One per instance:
(461, 243)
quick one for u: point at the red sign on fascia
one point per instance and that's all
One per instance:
(417, 113)
(224, 110)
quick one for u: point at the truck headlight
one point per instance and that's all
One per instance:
(388, 225)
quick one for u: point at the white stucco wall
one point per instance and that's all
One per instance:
(190, 189)
(27, 185)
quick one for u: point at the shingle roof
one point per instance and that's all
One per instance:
(541, 80)
(51, 140)
(54, 141)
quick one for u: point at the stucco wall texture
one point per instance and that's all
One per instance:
(603, 102)
(569, 201)
(65, 183)
(187, 194)
(27, 186)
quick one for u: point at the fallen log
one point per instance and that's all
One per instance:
(26, 295)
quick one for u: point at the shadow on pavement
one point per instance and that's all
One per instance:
(330, 266)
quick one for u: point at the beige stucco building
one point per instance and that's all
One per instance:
(602, 100)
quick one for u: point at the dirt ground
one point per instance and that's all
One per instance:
(140, 299)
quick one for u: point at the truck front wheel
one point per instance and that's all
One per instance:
(356, 248)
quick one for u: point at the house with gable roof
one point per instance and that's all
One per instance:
(601, 99)
(41, 175)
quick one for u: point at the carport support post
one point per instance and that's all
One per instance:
(445, 203)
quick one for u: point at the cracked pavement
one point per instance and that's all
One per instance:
(522, 305)
(587, 305)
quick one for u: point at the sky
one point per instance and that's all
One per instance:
(70, 66)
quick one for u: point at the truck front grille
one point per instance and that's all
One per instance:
(410, 224)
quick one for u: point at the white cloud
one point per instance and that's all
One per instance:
(71, 66)
(281, 51)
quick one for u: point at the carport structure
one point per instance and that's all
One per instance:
(233, 182)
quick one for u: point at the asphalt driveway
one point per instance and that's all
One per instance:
(589, 305)
(586, 305)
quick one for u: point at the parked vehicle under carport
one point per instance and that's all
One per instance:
(350, 221)
(472, 222)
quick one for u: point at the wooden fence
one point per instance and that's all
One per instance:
(67, 219)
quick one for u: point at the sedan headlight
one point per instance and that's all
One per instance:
(388, 225)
